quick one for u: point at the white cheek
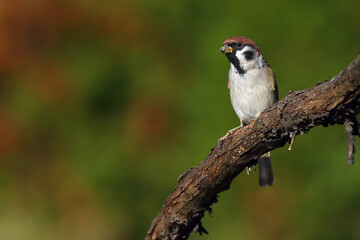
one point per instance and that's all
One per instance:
(244, 63)
(240, 56)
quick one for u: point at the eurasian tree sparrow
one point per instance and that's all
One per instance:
(252, 88)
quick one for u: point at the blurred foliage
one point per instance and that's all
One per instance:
(103, 105)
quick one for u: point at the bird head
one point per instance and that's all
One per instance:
(242, 53)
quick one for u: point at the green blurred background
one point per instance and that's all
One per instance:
(104, 104)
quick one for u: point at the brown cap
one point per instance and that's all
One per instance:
(244, 40)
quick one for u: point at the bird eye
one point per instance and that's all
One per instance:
(238, 45)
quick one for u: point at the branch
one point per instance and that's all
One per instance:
(330, 102)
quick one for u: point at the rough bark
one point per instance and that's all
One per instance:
(330, 102)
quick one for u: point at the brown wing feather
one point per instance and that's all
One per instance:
(271, 77)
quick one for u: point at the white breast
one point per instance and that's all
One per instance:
(251, 93)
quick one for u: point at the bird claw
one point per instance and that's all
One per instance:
(224, 137)
(230, 132)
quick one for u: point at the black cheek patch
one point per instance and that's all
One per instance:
(249, 55)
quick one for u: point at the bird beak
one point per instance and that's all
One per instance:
(226, 49)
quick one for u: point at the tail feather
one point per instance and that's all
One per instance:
(266, 176)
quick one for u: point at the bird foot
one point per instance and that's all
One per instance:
(230, 132)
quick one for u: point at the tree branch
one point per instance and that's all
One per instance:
(330, 102)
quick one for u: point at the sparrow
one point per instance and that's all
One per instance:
(253, 89)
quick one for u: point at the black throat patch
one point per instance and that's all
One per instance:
(235, 61)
